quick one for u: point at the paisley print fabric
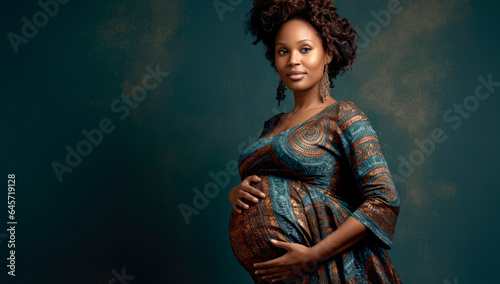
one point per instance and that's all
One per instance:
(316, 175)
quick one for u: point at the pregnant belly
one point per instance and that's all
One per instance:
(251, 230)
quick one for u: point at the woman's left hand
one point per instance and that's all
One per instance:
(297, 261)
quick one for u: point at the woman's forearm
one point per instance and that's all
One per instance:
(349, 233)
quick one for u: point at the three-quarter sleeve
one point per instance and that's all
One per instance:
(265, 128)
(379, 198)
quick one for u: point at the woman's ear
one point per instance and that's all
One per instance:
(328, 58)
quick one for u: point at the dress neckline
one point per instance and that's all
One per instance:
(296, 126)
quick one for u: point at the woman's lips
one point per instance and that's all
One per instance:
(296, 76)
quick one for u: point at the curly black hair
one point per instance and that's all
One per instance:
(339, 38)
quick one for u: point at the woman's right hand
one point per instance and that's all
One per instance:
(244, 189)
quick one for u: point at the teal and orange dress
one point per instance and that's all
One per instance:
(316, 175)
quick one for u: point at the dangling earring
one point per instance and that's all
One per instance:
(280, 95)
(325, 86)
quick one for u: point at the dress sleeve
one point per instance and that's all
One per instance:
(267, 125)
(265, 129)
(380, 201)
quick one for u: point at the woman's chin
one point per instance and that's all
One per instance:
(298, 86)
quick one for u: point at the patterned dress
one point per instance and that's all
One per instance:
(315, 175)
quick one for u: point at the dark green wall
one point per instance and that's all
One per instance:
(118, 208)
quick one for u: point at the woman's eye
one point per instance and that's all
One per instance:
(283, 51)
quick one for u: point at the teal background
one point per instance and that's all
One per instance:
(118, 209)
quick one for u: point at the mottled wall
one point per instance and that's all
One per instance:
(176, 88)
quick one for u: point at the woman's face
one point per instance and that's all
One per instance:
(298, 48)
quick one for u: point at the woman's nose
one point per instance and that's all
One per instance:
(294, 58)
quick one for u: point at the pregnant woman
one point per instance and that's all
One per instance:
(317, 203)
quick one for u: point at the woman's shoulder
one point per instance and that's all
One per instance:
(269, 123)
(346, 108)
(347, 112)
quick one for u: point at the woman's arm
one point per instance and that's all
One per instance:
(301, 259)
(348, 234)
(378, 212)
